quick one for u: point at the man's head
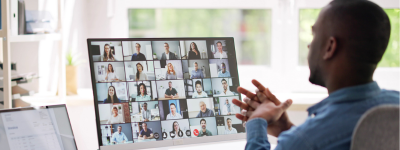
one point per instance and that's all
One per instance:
(196, 66)
(173, 108)
(203, 106)
(166, 47)
(224, 84)
(219, 46)
(144, 126)
(119, 129)
(199, 89)
(145, 106)
(227, 101)
(170, 84)
(350, 37)
(223, 67)
(203, 123)
(137, 46)
(229, 122)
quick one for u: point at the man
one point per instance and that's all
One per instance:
(138, 56)
(225, 86)
(204, 111)
(173, 114)
(348, 44)
(227, 107)
(220, 53)
(223, 73)
(145, 133)
(146, 113)
(204, 131)
(200, 93)
(118, 137)
(171, 92)
(196, 73)
(230, 129)
(167, 55)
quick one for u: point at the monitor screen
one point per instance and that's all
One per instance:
(44, 128)
(163, 89)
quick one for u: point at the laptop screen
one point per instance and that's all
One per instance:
(158, 89)
(44, 128)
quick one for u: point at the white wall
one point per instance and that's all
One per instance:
(104, 111)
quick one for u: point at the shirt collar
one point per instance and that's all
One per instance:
(347, 94)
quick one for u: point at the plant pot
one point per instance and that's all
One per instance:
(71, 75)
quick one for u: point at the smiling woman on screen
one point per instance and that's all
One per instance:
(112, 96)
(140, 75)
(107, 54)
(115, 118)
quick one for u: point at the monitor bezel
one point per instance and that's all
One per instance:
(162, 143)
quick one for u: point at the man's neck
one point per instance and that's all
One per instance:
(204, 130)
(167, 52)
(170, 88)
(220, 52)
(199, 93)
(173, 114)
(223, 71)
(204, 111)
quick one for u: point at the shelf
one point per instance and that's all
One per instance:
(35, 37)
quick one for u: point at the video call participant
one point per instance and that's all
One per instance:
(224, 72)
(115, 117)
(119, 137)
(230, 129)
(111, 76)
(171, 74)
(200, 93)
(145, 133)
(220, 53)
(108, 55)
(204, 111)
(347, 46)
(112, 96)
(138, 56)
(167, 55)
(140, 75)
(226, 91)
(227, 106)
(194, 52)
(142, 93)
(171, 92)
(204, 131)
(176, 129)
(196, 73)
(173, 114)
(146, 114)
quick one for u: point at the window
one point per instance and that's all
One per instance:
(391, 56)
(251, 28)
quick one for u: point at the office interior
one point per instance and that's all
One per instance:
(271, 49)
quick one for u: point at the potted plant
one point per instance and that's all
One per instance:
(154, 56)
(71, 72)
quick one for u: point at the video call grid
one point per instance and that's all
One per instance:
(152, 100)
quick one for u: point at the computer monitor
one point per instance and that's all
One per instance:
(44, 128)
(157, 92)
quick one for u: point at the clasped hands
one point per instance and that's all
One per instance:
(263, 104)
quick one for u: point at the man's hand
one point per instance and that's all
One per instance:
(263, 94)
(144, 137)
(146, 119)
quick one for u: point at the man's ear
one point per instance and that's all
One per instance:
(330, 49)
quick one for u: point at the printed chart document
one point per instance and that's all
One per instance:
(32, 130)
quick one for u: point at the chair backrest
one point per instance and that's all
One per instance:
(378, 128)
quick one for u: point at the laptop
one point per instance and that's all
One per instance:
(44, 128)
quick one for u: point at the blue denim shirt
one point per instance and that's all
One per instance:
(330, 123)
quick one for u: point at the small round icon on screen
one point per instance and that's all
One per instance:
(196, 132)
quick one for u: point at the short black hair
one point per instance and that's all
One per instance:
(145, 103)
(144, 123)
(197, 82)
(224, 80)
(228, 119)
(223, 64)
(361, 26)
(203, 120)
(172, 104)
(219, 42)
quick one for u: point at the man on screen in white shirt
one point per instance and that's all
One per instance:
(220, 53)
(146, 114)
(226, 91)
(119, 137)
(230, 129)
(200, 93)
(173, 114)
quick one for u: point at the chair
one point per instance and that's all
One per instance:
(378, 128)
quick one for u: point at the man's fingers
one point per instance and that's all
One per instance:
(241, 117)
(249, 113)
(251, 103)
(271, 97)
(259, 86)
(285, 105)
(240, 104)
(247, 93)
(261, 96)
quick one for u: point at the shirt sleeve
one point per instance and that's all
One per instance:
(257, 135)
